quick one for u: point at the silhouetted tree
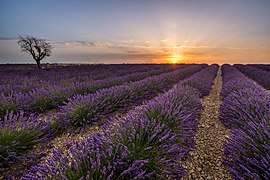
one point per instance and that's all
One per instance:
(38, 48)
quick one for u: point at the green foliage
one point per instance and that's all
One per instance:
(4, 108)
(82, 115)
(60, 98)
(42, 104)
(16, 142)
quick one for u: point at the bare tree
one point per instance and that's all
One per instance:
(37, 47)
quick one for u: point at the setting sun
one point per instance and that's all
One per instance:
(176, 58)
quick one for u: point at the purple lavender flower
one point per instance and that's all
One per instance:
(150, 142)
(82, 110)
(18, 135)
(246, 110)
(258, 75)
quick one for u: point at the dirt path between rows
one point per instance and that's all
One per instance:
(206, 159)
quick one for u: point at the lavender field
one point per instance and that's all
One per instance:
(135, 121)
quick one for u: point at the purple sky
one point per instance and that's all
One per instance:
(139, 31)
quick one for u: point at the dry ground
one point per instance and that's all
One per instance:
(206, 159)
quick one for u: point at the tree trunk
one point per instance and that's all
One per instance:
(38, 63)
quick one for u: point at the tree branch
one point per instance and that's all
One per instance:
(38, 48)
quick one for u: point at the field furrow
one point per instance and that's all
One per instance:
(205, 161)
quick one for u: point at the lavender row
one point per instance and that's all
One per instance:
(34, 79)
(203, 86)
(21, 134)
(86, 109)
(149, 143)
(21, 81)
(265, 67)
(260, 76)
(246, 111)
(232, 80)
(43, 99)
(57, 73)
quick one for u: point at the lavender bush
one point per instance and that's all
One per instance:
(51, 94)
(203, 80)
(6, 105)
(243, 106)
(82, 110)
(26, 80)
(247, 152)
(147, 143)
(265, 67)
(229, 73)
(246, 111)
(18, 135)
(258, 75)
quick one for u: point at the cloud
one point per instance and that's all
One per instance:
(165, 40)
(130, 46)
(8, 38)
(132, 52)
(80, 43)
(194, 53)
(129, 41)
(126, 44)
(138, 51)
(195, 47)
(239, 48)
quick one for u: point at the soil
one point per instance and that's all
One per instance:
(205, 161)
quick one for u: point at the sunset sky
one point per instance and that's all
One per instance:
(139, 31)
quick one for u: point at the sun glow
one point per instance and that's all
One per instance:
(176, 58)
(171, 57)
